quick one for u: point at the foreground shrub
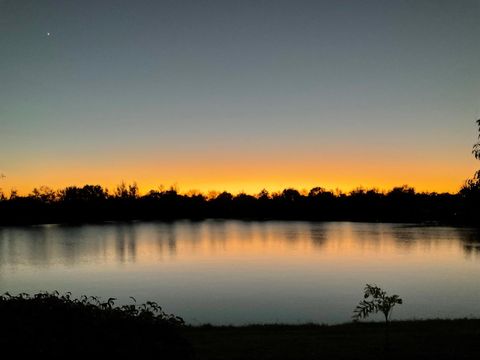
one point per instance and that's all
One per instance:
(57, 325)
(376, 300)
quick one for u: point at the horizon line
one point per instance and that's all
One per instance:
(303, 190)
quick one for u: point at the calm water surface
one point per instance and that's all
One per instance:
(234, 272)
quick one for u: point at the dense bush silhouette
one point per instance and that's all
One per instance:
(55, 325)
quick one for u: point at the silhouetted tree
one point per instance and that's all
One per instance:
(263, 195)
(87, 193)
(290, 195)
(13, 194)
(124, 191)
(220, 206)
(402, 191)
(476, 147)
(470, 190)
(376, 300)
(316, 191)
(476, 153)
(44, 194)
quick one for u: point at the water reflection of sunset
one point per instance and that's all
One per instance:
(194, 267)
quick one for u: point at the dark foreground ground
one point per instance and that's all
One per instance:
(50, 325)
(432, 339)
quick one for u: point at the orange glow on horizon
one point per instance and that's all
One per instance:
(237, 171)
(249, 178)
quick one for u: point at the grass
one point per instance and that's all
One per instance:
(427, 339)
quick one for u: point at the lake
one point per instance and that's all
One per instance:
(236, 272)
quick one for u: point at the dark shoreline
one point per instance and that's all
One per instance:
(246, 220)
(55, 325)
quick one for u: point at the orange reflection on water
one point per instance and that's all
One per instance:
(240, 272)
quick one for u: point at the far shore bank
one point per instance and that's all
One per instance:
(92, 203)
(244, 220)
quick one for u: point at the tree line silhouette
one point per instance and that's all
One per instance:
(93, 203)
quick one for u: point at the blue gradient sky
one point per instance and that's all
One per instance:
(239, 95)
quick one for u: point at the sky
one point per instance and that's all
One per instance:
(239, 95)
